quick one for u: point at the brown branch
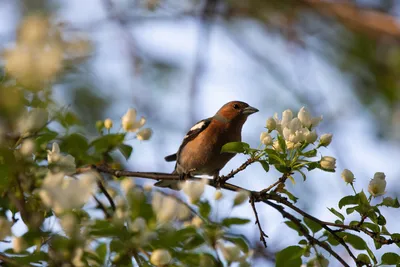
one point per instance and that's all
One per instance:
(304, 231)
(104, 191)
(102, 207)
(224, 178)
(284, 201)
(257, 196)
(263, 235)
(369, 21)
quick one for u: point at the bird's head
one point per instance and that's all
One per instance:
(235, 110)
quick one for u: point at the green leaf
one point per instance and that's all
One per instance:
(310, 153)
(362, 199)
(303, 242)
(126, 150)
(396, 236)
(314, 226)
(390, 258)
(290, 256)
(348, 200)
(45, 138)
(371, 226)
(282, 142)
(371, 255)
(337, 213)
(364, 258)
(232, 221)
(265, 165)
(204, 208)
(235, 147)
(107, 143)
(294, 226)
(194, 242)
(101, 251)
(240, 241)
(354, 240)
(390, 202)
(290, 195)
(274, 157)
(381, 220)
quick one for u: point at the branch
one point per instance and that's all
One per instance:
(224, 178)
(263, 235)
(304, 231)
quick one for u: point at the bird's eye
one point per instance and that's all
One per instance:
(236, 106)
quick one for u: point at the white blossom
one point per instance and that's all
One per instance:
(287, 117)
(144, 134)
(5, 228)
(241, 197)
(328, 163)
(266, 138)
(325, 139)
(32, 121)
(347, 176)
(160, 257)
(183, 212)
(231, 253)
(165, 207)
(67, 162)
(377, 185)
(194, 190)
(129, 122)
(271, 124)
(69, 224)
(138, 225)
(305, 117)
(311, 136)
(62, 193)
(127, 185)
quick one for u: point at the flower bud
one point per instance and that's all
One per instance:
(241, 197)
(287, 116)
(328, 163)
(144, 134)
(311, 137)
(377, 185)
(218, 195)
(266, 138)
(271, 124)
(160, 257)
(347, 176)
(108, 123)
(305, 117)
(27, 147)
(197, 221)
(99, 125)
(325, 139)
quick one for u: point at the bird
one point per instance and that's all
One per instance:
(200, 151)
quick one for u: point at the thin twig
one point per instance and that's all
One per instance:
(104, 191)
(304, 231)
(248, 162)
(102, 207)
(263, 235)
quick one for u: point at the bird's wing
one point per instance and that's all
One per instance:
(193, 132)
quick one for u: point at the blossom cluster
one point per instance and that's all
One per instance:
(297, 132)
(40, 51)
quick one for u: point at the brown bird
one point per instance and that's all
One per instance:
(200, 151)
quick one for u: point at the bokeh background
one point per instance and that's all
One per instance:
(177, 62)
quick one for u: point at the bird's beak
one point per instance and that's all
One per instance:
(249, 110)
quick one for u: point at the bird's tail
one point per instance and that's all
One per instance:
(172, 184)
(171, 157)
